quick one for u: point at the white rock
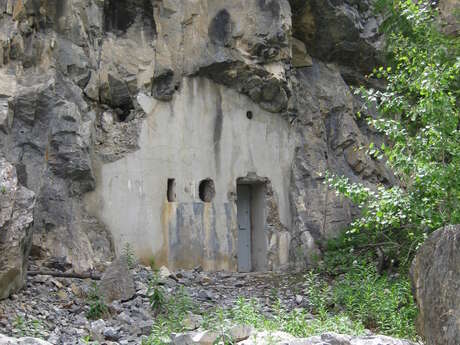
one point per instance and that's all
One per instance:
(164, 272)
(298, 299)
(205, 338)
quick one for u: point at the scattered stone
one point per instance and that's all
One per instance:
(62, 295)
(76, 290)
(97, 330)
(192, 321)
(110, 333)
(145, 327)
(4, 340)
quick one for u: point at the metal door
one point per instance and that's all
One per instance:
(244, 228)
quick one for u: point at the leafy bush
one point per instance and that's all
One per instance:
(419, 115)
(381, 303)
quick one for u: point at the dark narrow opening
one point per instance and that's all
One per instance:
(119, 15)
(123, 115)
(171, 192)
(249, 115)
(207, 190)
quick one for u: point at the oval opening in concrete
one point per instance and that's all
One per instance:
(207, 190)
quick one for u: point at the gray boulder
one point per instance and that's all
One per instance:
(435, 275)
(16, 219)
(117, 282)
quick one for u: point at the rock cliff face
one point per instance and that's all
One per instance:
(124, 116)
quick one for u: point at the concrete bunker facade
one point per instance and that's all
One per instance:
(202, 162)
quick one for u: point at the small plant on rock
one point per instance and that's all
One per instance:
(97, 307)
(88, 340)
(156, 294)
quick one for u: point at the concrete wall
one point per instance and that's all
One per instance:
(202, 133)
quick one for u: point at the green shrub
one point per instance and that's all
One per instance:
(418, 113)
(378, 302)
(383, 304)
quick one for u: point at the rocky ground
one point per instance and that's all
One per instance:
(56, 308)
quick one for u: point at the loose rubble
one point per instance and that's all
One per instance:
(55, 309)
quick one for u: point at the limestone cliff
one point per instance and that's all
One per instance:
(123, 115)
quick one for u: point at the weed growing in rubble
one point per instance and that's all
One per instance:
(380, 302)
(97, 306)
(28, 328)
(360, 299)
(156, 296)
(298, 322)
(129, 256)
(221, 325)
(88, 340)
(170, 312)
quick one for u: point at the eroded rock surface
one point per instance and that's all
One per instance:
(331, 139)
(16, 220)
(103, 102)
(344, 31)
(435, 277)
